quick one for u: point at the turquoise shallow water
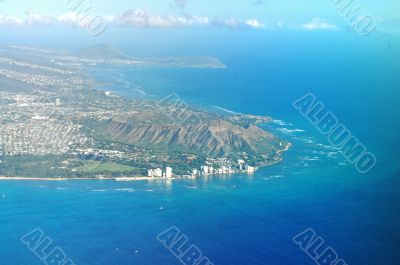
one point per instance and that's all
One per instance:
(241, 219)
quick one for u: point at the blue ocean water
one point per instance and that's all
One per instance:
(242, 219)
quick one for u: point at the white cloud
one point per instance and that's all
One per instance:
(73, 19)
(254, 23)
(142, 18)
(136, 18)
(319, 24)
(11, 20)
(34, 18)
(230, 22)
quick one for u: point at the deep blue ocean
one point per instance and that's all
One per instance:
(242, 219)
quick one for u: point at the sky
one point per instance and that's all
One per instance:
(266, 14)
(31, 20)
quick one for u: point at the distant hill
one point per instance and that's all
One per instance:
(101, 51)
(104, 53)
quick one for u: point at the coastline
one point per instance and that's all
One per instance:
(43, 179)
(143, 178)
(130, 179)
(280, 152)
(119, 179)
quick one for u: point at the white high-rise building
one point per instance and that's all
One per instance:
(224, 169)
(58, 102)
(168, 172)
(157, 173)
(250, 169)
(204, 169)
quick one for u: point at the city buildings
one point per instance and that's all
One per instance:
(160, 173)
(168, 172)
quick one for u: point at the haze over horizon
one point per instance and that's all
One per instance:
(181, 23)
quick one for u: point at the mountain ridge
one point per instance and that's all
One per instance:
(210, 137)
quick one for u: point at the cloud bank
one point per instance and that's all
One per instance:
(135, 18)
(142, 18)
(319, 24)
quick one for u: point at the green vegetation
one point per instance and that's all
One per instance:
(101, 167)
(34, 166)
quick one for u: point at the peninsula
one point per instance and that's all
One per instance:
(56, 124)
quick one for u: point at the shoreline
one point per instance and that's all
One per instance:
(143, 178)
(131, 179)
(43, 179)
(118, 179)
